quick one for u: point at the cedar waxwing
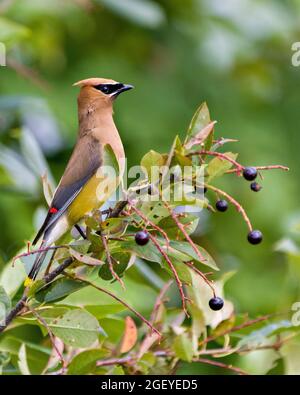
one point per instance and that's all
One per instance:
(77, 193)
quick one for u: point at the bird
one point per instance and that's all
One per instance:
(80, 190)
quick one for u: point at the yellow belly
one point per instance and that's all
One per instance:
(95, 192)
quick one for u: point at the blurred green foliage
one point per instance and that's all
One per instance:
(235, 55)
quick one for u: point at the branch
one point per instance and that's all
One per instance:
(221, 365)
(109, 260)
(119, 207)
(170, 264)
(22, 302)
(184, 232)
(236, 328)
(139, 315)
(20, 305)
(239, 167)
(239, 207)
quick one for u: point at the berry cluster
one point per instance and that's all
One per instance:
(250, 174)
(254, 236)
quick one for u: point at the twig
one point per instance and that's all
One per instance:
(116, 211)
(220, 365)
(148, 222)
(184, 232)
(50, 263)
(21, 303)
(208, 282)
(116, 298)
(239, 208)
(270, 167)
(219, 155)
(37, 252)
(51, 335)
(236, 328)
(80, 231)
(239, 167)
(159, 300)
(14, 312)
(109, 260)
(129, 359)
(177, 279)
(51, 276)
(151, 338)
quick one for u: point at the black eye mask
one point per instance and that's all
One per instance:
(108, 89)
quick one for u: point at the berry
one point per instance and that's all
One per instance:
(255, 237)
(216, 303)
(250, 173)
(222, 205)
(141, 238)
(255, 187)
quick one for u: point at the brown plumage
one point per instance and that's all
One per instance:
(76, 194)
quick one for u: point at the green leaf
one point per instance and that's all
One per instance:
(58, 289)
(201, 293)
(148, 252)
(109, 159)
(204, 136)
(117, 371)
(186, 248)
(278, 368)
(291, 352)
(154, 211)
(146, 362)
(260, 336)
(114, 327)
(183, 347)
(91, 296)
(217, 166)
(81, 246)
(200, 119)
(105, 310)
(5, 304)
(149, 161)
(198, 325)
(189, 221)
(22, 362)
(114, 226)
(120, 263)
(86, 259)
(4, 360)
(77, 328)
(85, 362)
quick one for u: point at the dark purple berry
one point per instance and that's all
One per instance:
(250, 173)
(255, 237)
(216, 303)
(222, 205)
(141, 238)
(255, 187)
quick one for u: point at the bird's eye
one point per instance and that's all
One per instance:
(105, 88)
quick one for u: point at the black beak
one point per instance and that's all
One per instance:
(124, 88)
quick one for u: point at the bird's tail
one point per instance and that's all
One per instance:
(36, 265)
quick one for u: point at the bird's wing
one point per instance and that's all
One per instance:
(86, 158)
